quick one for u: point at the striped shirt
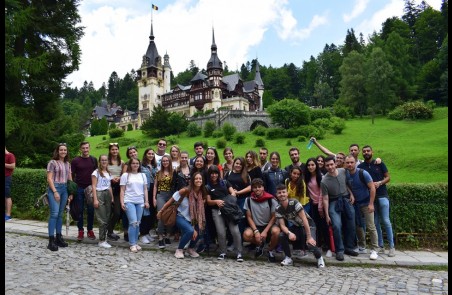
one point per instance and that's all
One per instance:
(60, 170)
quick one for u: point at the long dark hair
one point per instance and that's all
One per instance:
(110, 155)
(56, 153)
(300, 183)
(145, 160)
(191, 185)
(216, 160)
(318, 173)
(244, 172)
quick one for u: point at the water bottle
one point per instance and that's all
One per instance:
(310, 144)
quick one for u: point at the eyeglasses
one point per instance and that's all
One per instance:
(161, 144)
(114, 143)
(131, 148)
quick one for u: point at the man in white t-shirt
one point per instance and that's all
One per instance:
(161, 151)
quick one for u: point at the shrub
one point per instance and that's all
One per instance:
(104, 138)
(260, 142)
(228, 130)
(341, 111)
(260, 130)
(115, 133)
(301, 138)
(273, 133)
(209, 127)
(413, 110)
(221, 143)
(239, 138)
(337, 124)
(217, 134)
(289, 143)
(129, 127)
(310, 131)
(431, 104)
(291, 133)
(193, 129)
(172, 139)
(320, 114)
(322, 122)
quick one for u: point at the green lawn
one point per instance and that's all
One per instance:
(413, 151)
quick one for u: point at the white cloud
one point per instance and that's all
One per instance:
(287, 29)
(358, 9)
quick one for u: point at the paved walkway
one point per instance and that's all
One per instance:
(402, 258)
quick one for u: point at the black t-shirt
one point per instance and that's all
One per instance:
(237, 183)
(218, 191)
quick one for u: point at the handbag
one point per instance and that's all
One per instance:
(89, 197)
(168, 215)
(43, 200)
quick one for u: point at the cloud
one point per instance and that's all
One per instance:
(287, 29)
(358, 9)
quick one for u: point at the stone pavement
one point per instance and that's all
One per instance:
(402, 258)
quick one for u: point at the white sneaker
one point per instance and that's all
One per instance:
(320, 262)
(145, 240)
(179, 254)
(362, 251)
(192, 253)
(287, 261)
(299, 254)
(373, 255)
(391, 252)
(150, 239)
(104, 244)
(329, 254)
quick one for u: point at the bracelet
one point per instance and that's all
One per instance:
(55, 192)
(288, 233)
(256, 231)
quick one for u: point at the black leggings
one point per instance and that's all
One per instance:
(298, 243)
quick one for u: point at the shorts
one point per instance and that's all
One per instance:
(269, 234)
(8, 181)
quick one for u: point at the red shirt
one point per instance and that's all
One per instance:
(9, 159)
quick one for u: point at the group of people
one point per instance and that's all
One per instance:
(281, 206)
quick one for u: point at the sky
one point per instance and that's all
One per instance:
(276, 32)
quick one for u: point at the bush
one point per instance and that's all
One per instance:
(260, 142)
(172, 139)
(301, 138)
(221, 143)
(431, 104)
(310, 131)
(228, 130)
(209, 127)
(341, 111)
(193, 129)
(291, 133)
(239, 138)
(322, 122)
(273, 133)
(217, 134)
(115, 133)
(337, 124)
(129, 127)
(260, 130)
(413, 110)
(289, 143)
(320, 114)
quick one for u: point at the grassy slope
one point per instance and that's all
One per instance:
(414, 152)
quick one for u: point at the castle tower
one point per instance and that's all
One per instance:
(166, 74)
(260, 86)
(150, 79)
(215, 74)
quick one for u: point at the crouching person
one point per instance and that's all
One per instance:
(260, 214)
(290, 210)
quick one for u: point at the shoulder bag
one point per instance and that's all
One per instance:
(168, 216)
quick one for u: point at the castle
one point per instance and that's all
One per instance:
(205, 92)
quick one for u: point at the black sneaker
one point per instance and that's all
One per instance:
(271, 257)
(167, 241)
(201, 248)
(113, 237)
(351, 252)
(340, 256)
(161, 244)
(222, 256)
(239, 258)
(258, 252)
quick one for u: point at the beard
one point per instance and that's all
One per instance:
(367, 156)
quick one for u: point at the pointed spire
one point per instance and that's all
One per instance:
(257, 76)
(151, 37)
(214, 46)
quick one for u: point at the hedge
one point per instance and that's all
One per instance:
(417, 209)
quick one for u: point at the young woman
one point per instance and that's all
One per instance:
(312, 178)
(161, 194)
(149, 168)
(190, 219)
(115, 165)
(199, 165)
(132, 153)
(321, 161)
(134, 196)
(240, 181)
(217, 190)
(228, 155)
(175, 156)
(213, 159)
(252, 165)
(274, 175)
(103, 198)
(58, 173)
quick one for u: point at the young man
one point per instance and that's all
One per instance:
(82, 167)
(339, 211)
(263, 154)
(294, 154)
(10, 165)
(294, 226)
(199, 151)
(380, 177)
(260, 213)
(363, 189)
(161, 151)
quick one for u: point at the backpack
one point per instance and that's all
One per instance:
(361, 177)
(231, 211)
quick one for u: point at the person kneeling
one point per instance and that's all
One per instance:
(290, 210)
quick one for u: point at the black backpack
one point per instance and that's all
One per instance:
(231, 211)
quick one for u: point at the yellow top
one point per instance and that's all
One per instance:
(291, 191)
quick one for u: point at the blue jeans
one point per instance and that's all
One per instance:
(187, 231)
(134, 213)
(57, 208)
(90, 210)
(348, 226)
(382, 212)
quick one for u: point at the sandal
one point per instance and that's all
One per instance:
(133, 249)
(138, 247)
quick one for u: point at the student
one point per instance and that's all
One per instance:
(274, 175)
(338, 202)
(175, 156)
(161, 151)
(364, 193)
(115, 165)
(263, 154)
(380, 176)
(134, 197)
(321, 162)
(228, 155)
(103, 198)
(260, 213)
(213, 159)
(252, 165)
(149, 168)
(10, 165)
(199, 152)
(58, 173)
(131, 153)
(294, 154)
(290, 211)
(190, 217)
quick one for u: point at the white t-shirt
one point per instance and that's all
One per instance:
(135, 184)
(103, 183)
(183, 208)
(158, 160)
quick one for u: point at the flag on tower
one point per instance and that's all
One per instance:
(154, 7)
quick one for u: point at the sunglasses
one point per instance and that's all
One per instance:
(114, 143)
(62, 143)
(161, 144)
(211, 147)
(131, 148)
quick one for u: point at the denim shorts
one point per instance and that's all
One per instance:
(8, 181)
